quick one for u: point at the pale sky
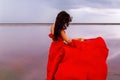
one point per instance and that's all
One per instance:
(38, 11)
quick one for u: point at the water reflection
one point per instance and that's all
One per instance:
(24, 49)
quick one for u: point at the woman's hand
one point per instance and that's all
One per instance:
(80, 39)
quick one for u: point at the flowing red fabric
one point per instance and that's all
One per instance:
(78, 60)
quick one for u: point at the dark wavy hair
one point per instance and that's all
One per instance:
(62, 22)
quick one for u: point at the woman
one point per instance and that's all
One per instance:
(75, 59)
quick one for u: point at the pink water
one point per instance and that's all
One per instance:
(24, 51)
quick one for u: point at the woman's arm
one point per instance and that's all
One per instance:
(64, 36)
(68, 40)
(52, 28)
(81, 39)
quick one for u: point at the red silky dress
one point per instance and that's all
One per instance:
(78, 60)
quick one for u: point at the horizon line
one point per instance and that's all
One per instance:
(52, 23)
